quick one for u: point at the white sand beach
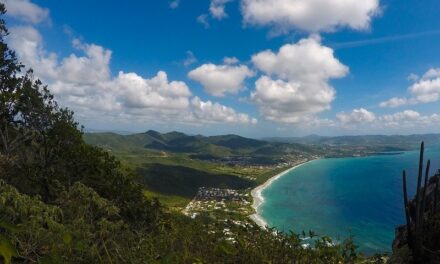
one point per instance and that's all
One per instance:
(258, 198)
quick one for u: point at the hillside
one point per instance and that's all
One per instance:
(208, 147)
(176, 164)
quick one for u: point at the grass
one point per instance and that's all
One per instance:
(172, 202)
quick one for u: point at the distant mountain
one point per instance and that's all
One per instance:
(264, 151)
(120, 132)
(202, 146)
(400, 141)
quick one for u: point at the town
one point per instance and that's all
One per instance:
(220, 204)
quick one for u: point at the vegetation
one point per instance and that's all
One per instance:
(202, 147)
(419, 240)
(64, 201)
(174, 175)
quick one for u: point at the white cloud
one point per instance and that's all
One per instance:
(137, 92)
(26, 10)
(203, 19)
(413, 77)
(84, 83)
(174, 4)
(215, 112)
(302, 89)
(364, 121)
(310, 15)
(27, 42)
(357, 116)
(290, 102)
(424, 90)
(401, 116)
(216, 11)
(217, 8)
(306, 61)
(431, 73)
(408, 119)
(230, 60)
(394, 102)
(427, 89)
(219, 80)
(75, 73)
(190, 59)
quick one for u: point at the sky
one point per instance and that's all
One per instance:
(257, 68)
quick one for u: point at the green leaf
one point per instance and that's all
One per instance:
(67, 238)
(7, 250)
(226, 248)
(8, 226)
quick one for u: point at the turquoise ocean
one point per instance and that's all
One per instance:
(337, 197)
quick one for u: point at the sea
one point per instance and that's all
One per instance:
(342, 197)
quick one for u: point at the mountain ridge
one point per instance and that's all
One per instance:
(216, 146)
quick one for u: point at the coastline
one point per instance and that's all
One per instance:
(258, 198)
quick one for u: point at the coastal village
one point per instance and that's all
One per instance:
(237, 206)
(220, 202)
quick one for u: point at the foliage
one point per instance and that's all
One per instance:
(419, 239)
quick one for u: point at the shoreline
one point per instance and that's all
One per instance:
(258, 198)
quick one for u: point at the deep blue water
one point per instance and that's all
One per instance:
(338, 197)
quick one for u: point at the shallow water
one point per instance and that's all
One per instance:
(338, 197)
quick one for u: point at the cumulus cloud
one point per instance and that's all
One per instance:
(76, 73)
(300, 89)
(157, 92)
(407, 115)
(217, 9)
(27, 42)
(26, 10)
(427, 89)
(408, 119)
(230, 60)
(290, 102)
(310, 15)
(394, 102)
(83, 81)
(431, 73)
(306, 61)
(357, 116)
(215, 112)
(365, 121)
(413, 77)
(424, 90)
(218, 80)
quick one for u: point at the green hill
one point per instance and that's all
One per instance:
(176, 164)
(213, 147)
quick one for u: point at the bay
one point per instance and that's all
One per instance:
(346, 196)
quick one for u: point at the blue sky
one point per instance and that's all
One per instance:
(292, 67)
